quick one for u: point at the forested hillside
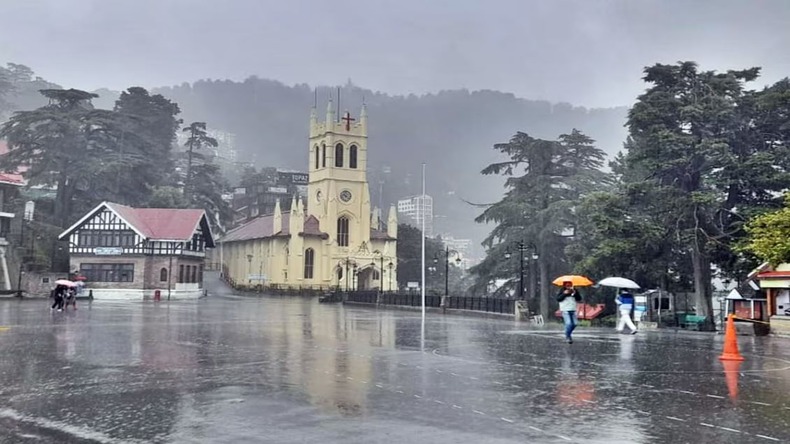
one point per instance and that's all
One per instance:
(452, 131)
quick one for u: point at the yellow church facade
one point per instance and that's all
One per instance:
(335, 239)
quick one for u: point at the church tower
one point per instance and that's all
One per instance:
(338, 187)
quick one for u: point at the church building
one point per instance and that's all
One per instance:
(335, 239)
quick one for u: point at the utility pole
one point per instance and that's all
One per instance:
(521, 270)
(21, 256)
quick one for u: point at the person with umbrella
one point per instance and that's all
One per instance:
(58, 295)
(625, 300)
(568, 297)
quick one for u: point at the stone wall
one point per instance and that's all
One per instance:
(39, 284)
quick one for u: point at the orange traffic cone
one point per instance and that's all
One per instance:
(731, 373)
(730, 352)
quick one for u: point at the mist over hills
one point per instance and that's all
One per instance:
(452, 131)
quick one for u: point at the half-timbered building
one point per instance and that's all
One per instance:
(130, 253)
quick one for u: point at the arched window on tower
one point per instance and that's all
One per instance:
(323, 155)
(163, 275)
(316, 157)
(352, 156)
(342, 232)
(309, 257)
(339, 155)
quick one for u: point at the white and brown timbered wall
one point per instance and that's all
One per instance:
(103, 230)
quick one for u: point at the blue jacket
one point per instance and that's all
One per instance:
(626, 300)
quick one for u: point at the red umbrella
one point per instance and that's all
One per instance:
(80, 278)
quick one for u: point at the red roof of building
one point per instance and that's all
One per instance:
(161, 223)
(774, 275)
(12, 179)
(15, 178)
(173, 224)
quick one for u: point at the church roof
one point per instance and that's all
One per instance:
(312, 228)
(258, 228)
(380, 235)
(263, 227)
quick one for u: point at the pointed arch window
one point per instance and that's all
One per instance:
(352, 156)
(342, 232)
(339, 155)
(316, 157)
(309, 259)
(323, 155)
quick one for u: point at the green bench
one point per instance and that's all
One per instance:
(692, 322)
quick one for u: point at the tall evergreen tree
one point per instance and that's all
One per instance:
(197, 138)
(701, 162)
(545, 180)
(66, 144)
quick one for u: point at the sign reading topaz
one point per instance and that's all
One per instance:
(345, 196)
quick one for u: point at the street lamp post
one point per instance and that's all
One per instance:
(347, 262)
(447, 252)
(522, 247)
(249, 269)
(381, 270)
(390, 266)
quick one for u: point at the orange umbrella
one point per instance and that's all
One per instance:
(576, 280)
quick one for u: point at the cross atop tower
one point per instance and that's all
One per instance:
(348, 119)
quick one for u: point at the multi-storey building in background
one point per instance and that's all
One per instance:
(415, 209)
(260, 197)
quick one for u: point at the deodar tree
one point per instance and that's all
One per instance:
(702, 161)
(64, 144)
(545, 179)
(197, 138)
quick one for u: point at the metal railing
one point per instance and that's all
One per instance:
(488, 305)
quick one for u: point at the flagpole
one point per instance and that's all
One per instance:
(422, 245)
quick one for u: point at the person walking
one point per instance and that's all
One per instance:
(71, 298)
(568, 297)
(58, 294)
(625, 301)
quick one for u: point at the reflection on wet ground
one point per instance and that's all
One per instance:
(232, 368)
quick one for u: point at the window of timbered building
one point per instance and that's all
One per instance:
(108, 272)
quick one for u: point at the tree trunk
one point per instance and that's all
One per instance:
(702, 286)
(543, 267)
(533, 279)
(188, 180)
(63, 201)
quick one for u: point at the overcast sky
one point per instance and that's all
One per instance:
(586, 52)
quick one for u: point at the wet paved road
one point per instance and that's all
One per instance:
(287, 370)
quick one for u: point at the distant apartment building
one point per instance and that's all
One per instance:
(416, 208)
(259, 198)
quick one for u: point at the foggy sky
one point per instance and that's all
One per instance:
(586, 52)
